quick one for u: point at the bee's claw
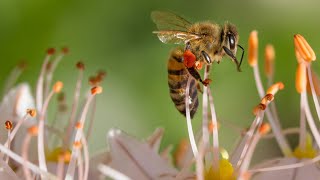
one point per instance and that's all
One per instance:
(206, 82)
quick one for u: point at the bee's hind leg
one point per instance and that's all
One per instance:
(194, 73)
(199, 88)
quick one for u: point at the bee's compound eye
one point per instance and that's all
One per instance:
(232, 41)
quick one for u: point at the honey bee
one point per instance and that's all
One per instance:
(208, 42)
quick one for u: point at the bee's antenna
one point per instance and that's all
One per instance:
(241, 55)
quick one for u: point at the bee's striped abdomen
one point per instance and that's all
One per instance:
(177, 79)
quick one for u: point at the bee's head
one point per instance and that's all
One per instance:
(231, 37)
(230, 42)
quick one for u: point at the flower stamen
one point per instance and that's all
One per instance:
(272, 117)
(304, 49)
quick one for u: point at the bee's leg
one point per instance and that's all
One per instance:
(206, 57)
(194, 73)
(199, 88)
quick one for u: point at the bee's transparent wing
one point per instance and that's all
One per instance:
(169, 21)
(176, 37)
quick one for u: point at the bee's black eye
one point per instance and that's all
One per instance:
(232, 41)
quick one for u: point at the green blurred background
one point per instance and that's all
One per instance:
(116, 36)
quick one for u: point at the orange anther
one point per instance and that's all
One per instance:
(93, 81)
(33, 130)
(80, 65)
(246, 175)
(260, 107)
(298, 56)
(206, 82)
(67, 156)
(51, 51)
(79, 125)
(32, 112)
(301, 77)
(269, 97)
(189, 59)
(269, 60)
(96, 90)
(264, 128)
(22, 65)
(101, 74)
(8, 124)
(211, 126)
(181, 152)
(304, 49)
(273, 89)
(77, 144)
(264, 100)
(57, 87)
(65, 50)
(253, 48)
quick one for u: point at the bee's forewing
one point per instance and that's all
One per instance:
(169, 21)
(175, 37)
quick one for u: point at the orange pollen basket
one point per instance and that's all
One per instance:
(189, 59)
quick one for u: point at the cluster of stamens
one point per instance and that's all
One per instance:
(58, 152)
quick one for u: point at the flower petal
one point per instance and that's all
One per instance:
(136, 159)
(155, 139)
(310, 172)
(6, 173)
